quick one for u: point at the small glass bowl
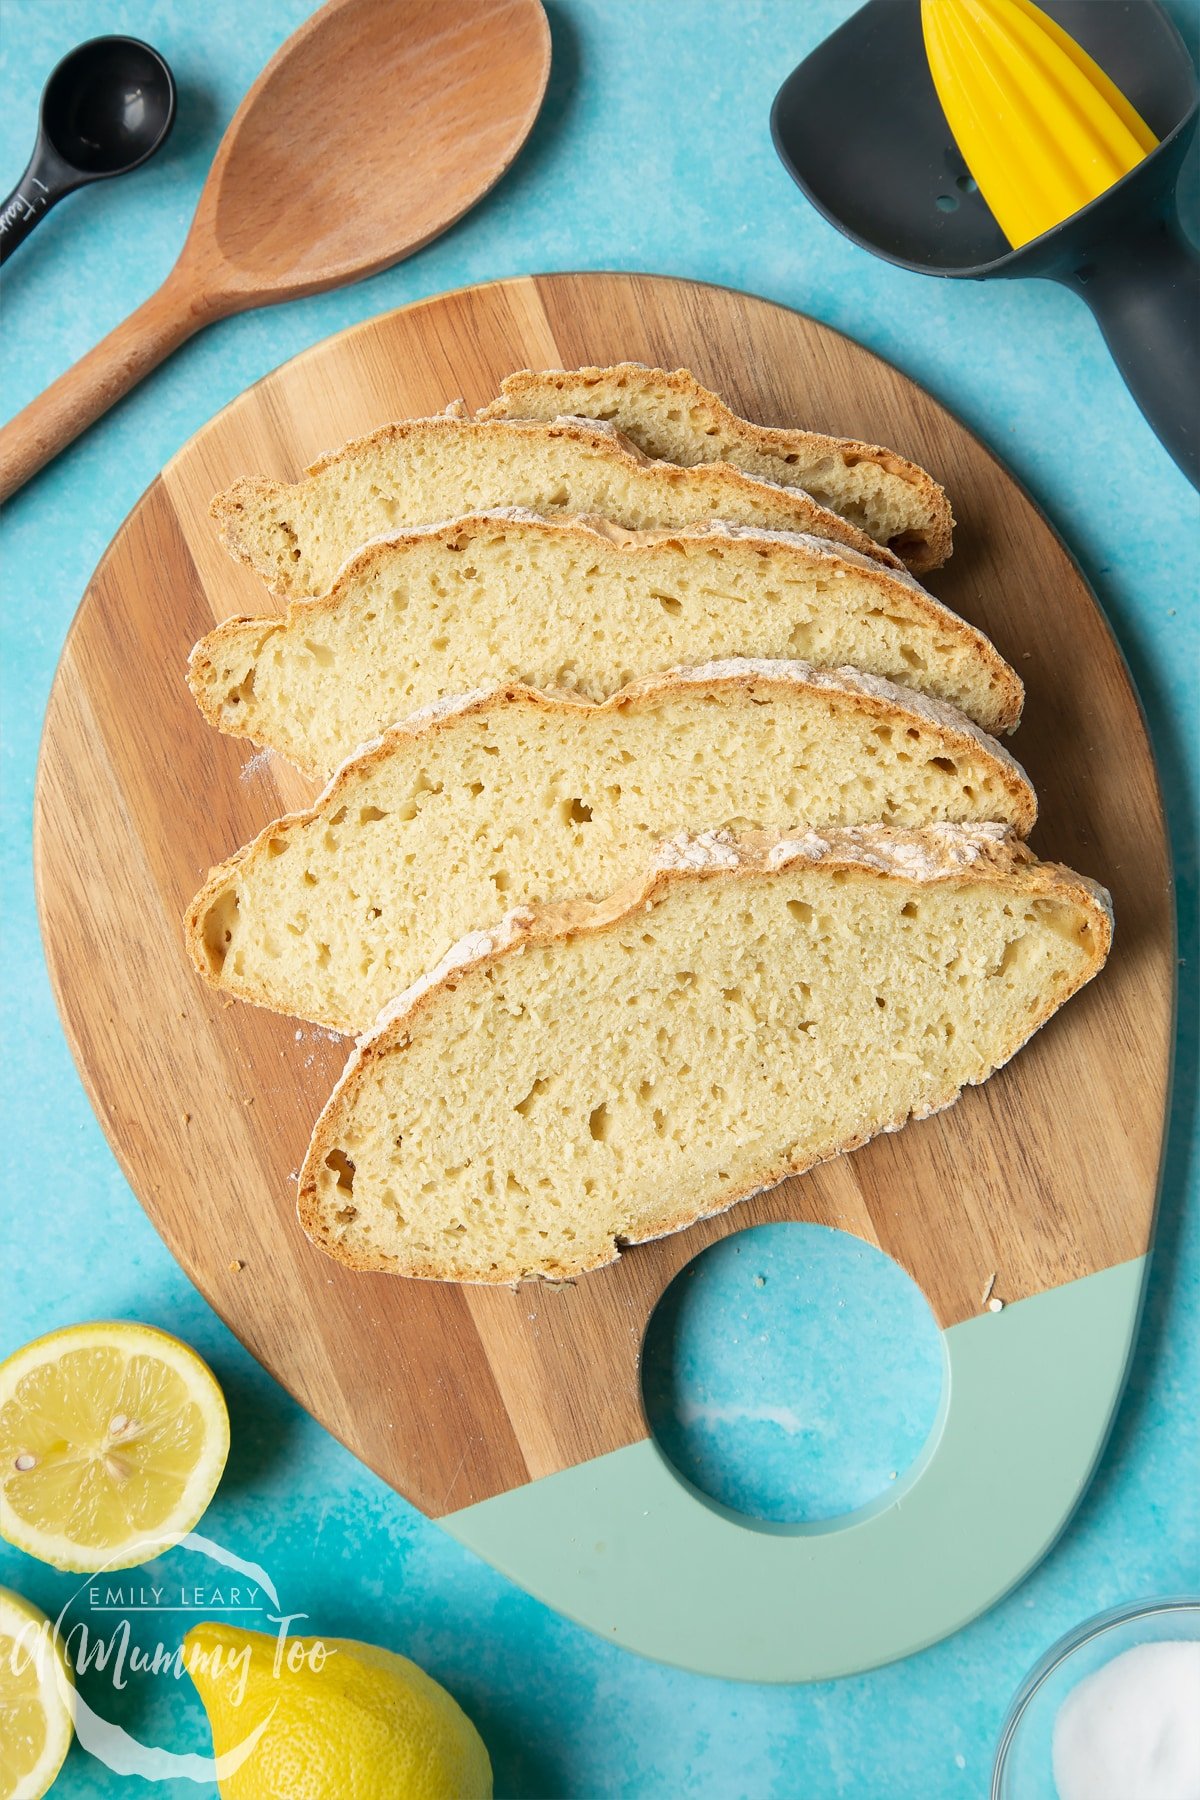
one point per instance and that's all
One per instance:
(1023, 1757)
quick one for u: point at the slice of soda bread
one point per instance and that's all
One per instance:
(421, 471)
(586, 1076)
(575, 604)
(514, 797)
(668, 414)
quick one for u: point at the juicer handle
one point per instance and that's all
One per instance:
(1144, 289)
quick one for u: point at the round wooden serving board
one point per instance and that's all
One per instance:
(454, 1394)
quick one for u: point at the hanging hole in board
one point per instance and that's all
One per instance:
(793, 1373)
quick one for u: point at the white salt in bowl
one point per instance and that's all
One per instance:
(1024, 1757)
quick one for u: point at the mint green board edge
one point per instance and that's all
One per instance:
(624, 1546)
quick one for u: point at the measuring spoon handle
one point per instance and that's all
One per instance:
(98, 380)
(46, 179)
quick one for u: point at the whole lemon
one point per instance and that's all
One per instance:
(328, 1718)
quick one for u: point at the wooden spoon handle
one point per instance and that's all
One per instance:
(99, 379)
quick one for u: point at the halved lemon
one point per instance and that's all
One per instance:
(36, 1700)
(112, 1441)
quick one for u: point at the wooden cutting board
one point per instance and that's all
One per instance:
(454, 1395)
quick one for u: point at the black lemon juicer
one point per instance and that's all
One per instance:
(899, 187)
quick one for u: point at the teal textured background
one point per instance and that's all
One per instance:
(652, 153)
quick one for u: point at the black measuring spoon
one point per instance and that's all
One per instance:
(859, 127)
(107, 106)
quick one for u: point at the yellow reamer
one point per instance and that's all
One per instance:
(1040, 125)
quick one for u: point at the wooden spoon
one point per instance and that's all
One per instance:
(371, 130)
